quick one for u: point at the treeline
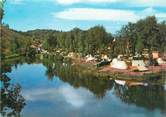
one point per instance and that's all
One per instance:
(88, 41)
(145, 34)
(134, 37)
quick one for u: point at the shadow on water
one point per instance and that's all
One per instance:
(12, 102)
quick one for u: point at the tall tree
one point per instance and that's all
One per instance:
(1, 9)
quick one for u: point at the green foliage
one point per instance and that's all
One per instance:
(76, 40)
(13, 42)
(139, 44)
(134, 37)
(12, 102)
(1, 9)
(146, 33)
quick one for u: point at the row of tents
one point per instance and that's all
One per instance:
(134, 64)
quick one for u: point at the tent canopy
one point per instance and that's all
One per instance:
(118, 64)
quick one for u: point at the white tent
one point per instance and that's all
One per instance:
(138, 63)
(119, 57)
(90, 58)
(160, 61)
(120, 82)
(118, 64)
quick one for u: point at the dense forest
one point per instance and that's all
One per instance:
(134, 37)
(76, 40)
(146, 33)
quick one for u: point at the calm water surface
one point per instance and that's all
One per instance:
(51, 94)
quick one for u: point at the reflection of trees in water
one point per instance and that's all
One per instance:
(7, 64)
(76, 78)
(11, 101)
(95, 85)
(150, 97)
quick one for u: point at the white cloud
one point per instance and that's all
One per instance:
(68, 2)
(97, 14)
(151, 11)
(72, 97)
(68, 94)
(16, 1)
(130, 2)
(150, 3)
(161, 15)
(93, 14)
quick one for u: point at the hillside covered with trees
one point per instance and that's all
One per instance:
(146, 33)
(12, 42)
(87, 42)
(134, 37)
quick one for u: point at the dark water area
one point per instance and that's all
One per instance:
(55, 89)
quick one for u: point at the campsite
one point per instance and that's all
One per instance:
(83, 58)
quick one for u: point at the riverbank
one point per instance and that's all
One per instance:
(155, 74)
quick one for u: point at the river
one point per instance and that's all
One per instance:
(52, 90)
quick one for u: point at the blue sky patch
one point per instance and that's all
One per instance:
(64, 15)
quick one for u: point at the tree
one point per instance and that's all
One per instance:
(12, 102)
(146, 33)
(1, 9)
(139, 44)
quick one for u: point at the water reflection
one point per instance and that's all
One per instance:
(12, 102)
(76, 78)
(60, 90)
(63, 94)
(150, 97)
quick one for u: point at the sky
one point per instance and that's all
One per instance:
(65, 15)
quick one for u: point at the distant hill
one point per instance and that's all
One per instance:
(40, 34)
